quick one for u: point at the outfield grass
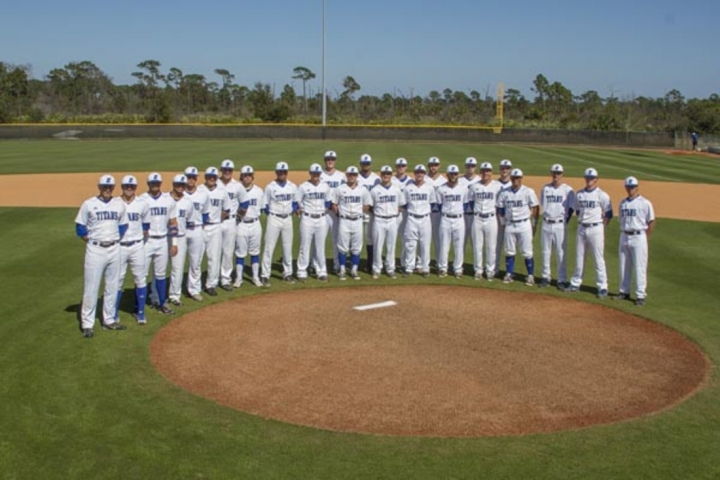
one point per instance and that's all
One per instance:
(21, 156)
(96, 408)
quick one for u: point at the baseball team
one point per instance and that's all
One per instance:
(220, 219)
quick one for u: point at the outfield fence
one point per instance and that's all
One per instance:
(340, 132)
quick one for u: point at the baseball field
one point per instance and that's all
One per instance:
(113, 407)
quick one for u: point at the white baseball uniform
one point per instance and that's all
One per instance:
(387, 203)
(333, 180)
(557, 204)
(313, 202)
(435, 215)
(500, 246)
(419, 202)
(402, 218)
(195, 238)
(483, 198)
(592, 207)
(184, 208)
(464, 180)
(279, 204)
(453, 203)
(369, 182)
(162, 210)
(350, 202)
(635, 216)
(132, 252)
(229, 231)
(515, 206)
(249, 232)
(101, 222)
(218, 201)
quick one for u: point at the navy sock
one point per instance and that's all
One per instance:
(530, 264)
(510, 264)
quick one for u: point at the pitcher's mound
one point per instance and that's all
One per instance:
(442, 361)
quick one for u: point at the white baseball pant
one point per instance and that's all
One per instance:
(133, 255)
(350, 236)
(633, 256)
(100, 261)
(553, 234)
(313, 232)
(177, 268)
(518, 236)
(227, 263)
(484, 238)
(452, 232)
(592, 239)
(195, 239)
(156, 252)
(276, 227)
(249, 236)
(213, 250)
(384, 237)
(416, 240)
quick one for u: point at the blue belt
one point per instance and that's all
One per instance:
(451, 216)
(128, 244)
(485, 215)
(348, 217)
(103, 244)
(314, 215)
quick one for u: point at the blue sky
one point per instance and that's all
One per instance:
(626, 48)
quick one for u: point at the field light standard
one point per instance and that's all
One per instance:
(324, 99)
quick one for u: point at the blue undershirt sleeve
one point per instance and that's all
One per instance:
(145, 227)
(123, 228)
(295, 206)
(81, 230)
(206, 217)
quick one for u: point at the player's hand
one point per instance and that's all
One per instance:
(173, 250)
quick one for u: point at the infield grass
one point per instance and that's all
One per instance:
(76, 408)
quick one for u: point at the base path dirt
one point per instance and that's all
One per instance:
(671, 200)
(443, 361)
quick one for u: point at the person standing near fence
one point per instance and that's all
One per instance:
(637, 222)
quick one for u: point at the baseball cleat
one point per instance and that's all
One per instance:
(490, 277)
(211, 291)
(113, 326)
(197, 297)
(165, 310)
(425, 274)
(392, 275)
(406, 274)
(289, 279)
(375, 276)
(602, 293)
(478, 276)
(265, 281)
(562, 286)
(341, 276)
(237, 284)
(226, 287)
(571, 289)
(322, 278)
(256, 281)
(621, 296)
(640, 302)
(176, 302)
(544, 283)
(442, 274)
(354, 275)
(530, 281)
(141, 320)
(87, 332)
(301, 279)
(508, 278)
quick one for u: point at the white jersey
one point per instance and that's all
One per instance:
(556, 201)
(370, 181)
(198, 198)
(592, 205)
(452, 200)
(468, 181)
(138, 214)
(313, 199)
(419, 199)
(234, 190)
(484, 197)
(252, 202)
(334, 179)
(350, 200)
(635, 214)
(162, 210)
(218, 201)
(279, 198)
(102, 219)
(401, 182)
(436, 182)
(184, 207)
(387, 200)
(518, 203)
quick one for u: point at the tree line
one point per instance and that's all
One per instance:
(82, 92)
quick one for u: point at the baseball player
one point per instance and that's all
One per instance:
(368, 179)
(334, 178)
(504, 179)
(132, 246)
(557, 200)
(637, 222)
(279, 204)
(249, 228)
(467, 179)
(387, 203)
(420, 199)
(594, 212)
(452, 200)
(184, 208)
(483, 197)
(313, 199)
(216, 211)
(519, 207)
(163, 225)
(435, 179)
(349, 202)
(401, 179)
(228, 226)
(194, 235)
(101, 223)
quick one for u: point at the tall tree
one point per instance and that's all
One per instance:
(305, 75)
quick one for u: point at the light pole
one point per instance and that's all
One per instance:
(324, 99)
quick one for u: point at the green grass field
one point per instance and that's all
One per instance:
(76, 408)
